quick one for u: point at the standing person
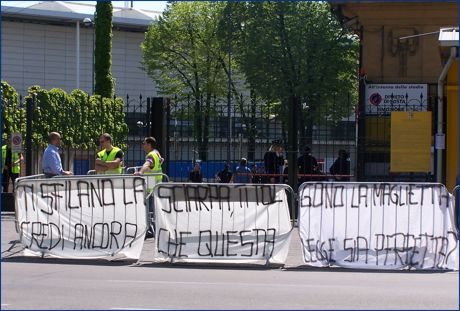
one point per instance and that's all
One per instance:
(152, 165)
(341, 166)
(224, 176)
(307, 164)
(11, 164)
(110, 159)
(195, 175)
(4, 169)
(256, 178)
(243, 174)
(6, 164)
(285, 172)
(16, 158)
(153, 161)
(51, 163)
(273, 160)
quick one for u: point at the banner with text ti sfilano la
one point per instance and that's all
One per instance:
(88, 217)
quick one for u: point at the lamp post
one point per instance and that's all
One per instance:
(87, 22)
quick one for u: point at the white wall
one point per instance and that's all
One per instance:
(45, 55)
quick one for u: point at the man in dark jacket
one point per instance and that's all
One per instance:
(273, 161)
(224, 176)
(341, 166)
(307, 164)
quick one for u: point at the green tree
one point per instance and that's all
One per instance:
(13, 113)
(293, 53)
(104, 83)
(182, 54)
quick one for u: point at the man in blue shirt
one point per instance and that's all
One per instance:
(51, 164)
(243, 173)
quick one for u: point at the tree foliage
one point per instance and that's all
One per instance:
(182, 54)
(294, 56)
(104, 83)
(13, 114)
(80, 118)
(294, 52)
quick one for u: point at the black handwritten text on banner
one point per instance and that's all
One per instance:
(82, 218)
(226, 223)
(378, 225)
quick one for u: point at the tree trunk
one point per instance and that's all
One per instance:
(205, 142)
(293, 140)
(197, 124)
(252, 130)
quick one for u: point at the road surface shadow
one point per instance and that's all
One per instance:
(207, 266)
(306, 268)
(68, 261)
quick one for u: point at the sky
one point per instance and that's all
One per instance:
(146, 5)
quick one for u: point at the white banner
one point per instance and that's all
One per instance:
(89, 217)
(378, 225)
(382, 99)
(225, 223)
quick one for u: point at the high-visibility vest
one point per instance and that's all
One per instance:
(157, 167)
(110, 157)
(3, 155)
(16, 168)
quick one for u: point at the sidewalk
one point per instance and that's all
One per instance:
(9, 235)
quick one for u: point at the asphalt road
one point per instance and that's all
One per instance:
(29, 283)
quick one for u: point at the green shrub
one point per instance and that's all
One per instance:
(78, 117)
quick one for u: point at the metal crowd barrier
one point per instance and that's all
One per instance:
(456, 194)
(70, 217)
(201, 222)
(377, 225)
(151, 182)
(347, 224)
(93, 172)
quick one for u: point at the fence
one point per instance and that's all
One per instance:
(84, 138)
(212, 133)
(215, 133)
(374, 139)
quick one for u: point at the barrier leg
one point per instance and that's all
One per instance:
(457, 199)
(150, 218)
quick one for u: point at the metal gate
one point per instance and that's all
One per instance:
(373, 152)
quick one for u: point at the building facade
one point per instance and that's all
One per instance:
(399, 45)
(48, 44)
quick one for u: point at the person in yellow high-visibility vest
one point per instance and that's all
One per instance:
(153, 161)
(5, 175)
(152, 165)
(11, 165)
(110, 159)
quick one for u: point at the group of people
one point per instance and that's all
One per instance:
(242, 175)
(108, 161)
(276, 168)
(307, 165)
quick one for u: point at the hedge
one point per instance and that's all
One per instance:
(78, 117)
